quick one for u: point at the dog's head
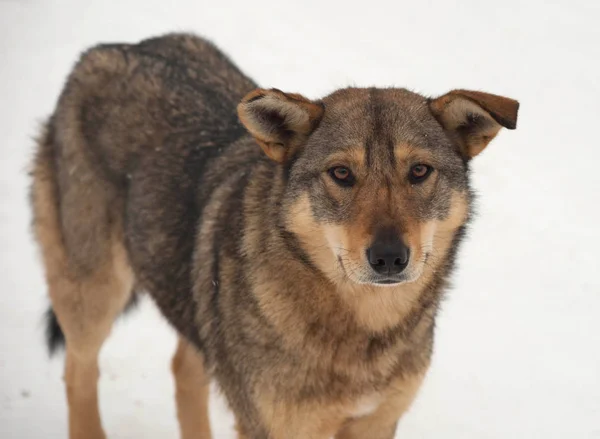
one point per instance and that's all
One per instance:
(377, 179)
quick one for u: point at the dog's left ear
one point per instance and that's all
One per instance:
(474, 118)
(280, 122)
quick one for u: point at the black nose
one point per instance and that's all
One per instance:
(388, 255)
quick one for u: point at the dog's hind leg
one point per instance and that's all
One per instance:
(192, 392)
(84, 302)
(86, 311)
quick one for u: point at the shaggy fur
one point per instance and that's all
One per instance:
(146, 179)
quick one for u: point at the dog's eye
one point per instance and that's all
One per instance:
(342, 175)
(418, 173)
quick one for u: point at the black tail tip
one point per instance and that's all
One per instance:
(55, 338)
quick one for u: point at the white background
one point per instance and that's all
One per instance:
(518, 345)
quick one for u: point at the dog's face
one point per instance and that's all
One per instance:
(377, 178)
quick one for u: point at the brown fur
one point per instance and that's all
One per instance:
(146, 180)
(85, 305)
(191, 392)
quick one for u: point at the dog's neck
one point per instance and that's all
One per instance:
(377, 309)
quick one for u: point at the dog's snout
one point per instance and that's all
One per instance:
(388, 255)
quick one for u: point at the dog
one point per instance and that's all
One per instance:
(300, 248)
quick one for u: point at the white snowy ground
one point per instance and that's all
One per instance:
(518, 345)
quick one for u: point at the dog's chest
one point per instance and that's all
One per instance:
(365, 405)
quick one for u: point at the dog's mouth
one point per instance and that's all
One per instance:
(392, 281)
(389, 281)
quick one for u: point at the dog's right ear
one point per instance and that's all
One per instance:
(280, 122)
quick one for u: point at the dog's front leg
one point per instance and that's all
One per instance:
(285, 419)
(381, 424)
(278, 431)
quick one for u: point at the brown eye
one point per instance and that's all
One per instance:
(418, 173)
(342, 175)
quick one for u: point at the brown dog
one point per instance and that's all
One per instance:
(304, 277)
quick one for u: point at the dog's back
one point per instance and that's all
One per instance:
(135, 122)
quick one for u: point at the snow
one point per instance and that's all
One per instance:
(518, 342)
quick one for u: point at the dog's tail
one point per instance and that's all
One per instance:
(43, 194)
(55, 337)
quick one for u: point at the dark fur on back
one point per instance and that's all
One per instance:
(261, 265)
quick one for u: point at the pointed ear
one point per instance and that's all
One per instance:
(474, 117)
(280, 122)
